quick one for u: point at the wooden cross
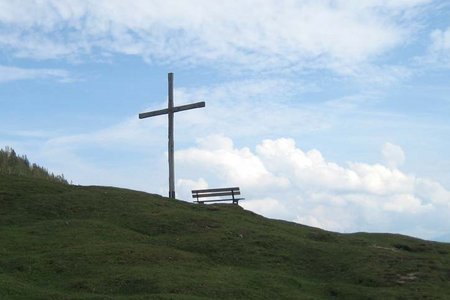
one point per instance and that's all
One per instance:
(170, 110)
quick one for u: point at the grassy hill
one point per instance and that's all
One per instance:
(59, 241)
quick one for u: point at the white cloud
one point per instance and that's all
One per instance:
(311, 169)
(266, 206)
(405, 203)
(278, 34)
(323, 217)
(393, 155)
(281, 180)
(217, 155)
(8, 73)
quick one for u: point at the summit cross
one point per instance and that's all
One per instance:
(170, 110)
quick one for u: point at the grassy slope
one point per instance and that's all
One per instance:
(68, 242)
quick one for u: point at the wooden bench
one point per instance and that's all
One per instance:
(217, 194)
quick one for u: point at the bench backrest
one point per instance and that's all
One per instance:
(231, 191)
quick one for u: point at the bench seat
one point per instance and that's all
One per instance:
(217, 194)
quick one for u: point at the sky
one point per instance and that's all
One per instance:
(332, 114)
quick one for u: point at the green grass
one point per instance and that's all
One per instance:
(69, 242)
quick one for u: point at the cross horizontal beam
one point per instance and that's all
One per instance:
(175, 109)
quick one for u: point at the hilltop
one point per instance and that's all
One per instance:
(59, 241)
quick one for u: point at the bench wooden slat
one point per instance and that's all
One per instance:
(235, 199)
(216, 190)
(215, 194)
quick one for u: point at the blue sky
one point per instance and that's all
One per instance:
(328, 113)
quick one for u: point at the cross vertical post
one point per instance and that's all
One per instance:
(171, 142)
(169, 111)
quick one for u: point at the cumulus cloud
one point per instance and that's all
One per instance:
(234, 166)
(279, 34)
(393, 155)
(312, 170)
(281, 180)
(267, 206)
